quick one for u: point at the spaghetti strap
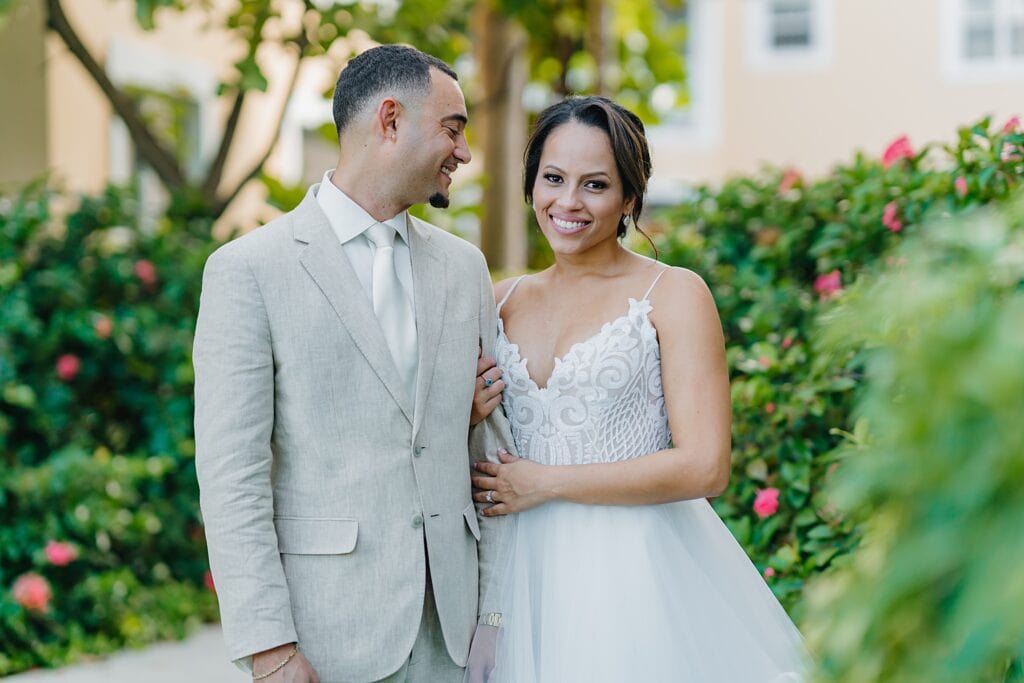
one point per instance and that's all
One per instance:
(510, 290)
(651, 288)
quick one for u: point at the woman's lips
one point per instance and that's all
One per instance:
(567, 226)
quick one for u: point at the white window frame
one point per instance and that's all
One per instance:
(956, 67)
(762, 56)
(133, 63)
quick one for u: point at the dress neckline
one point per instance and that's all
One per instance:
(565, 360)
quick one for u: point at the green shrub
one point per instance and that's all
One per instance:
(934, 593)
(95, 360)
(777, 250)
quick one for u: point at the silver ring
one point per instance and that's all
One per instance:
(490, 496)
(488, 382)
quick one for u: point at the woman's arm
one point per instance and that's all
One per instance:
(696, 386)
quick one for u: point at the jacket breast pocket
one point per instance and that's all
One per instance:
(316, 535)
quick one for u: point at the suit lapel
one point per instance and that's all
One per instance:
(429, 276)
(325, 261)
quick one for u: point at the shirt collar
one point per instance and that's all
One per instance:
(348, 219)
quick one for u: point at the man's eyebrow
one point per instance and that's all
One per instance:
(461, 118)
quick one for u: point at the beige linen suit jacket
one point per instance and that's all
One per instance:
(324, 492)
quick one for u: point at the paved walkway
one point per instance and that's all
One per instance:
(198, 659)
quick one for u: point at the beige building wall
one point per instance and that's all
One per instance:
(23, 141)
(888, 72)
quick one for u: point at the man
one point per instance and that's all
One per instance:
(336, 356)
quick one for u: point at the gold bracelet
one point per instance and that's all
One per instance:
(277, 668)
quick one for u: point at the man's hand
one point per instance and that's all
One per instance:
(297, 670)
(489, 386)
(481, 654)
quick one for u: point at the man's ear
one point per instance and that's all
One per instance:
(385, 122)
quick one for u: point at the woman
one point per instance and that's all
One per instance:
(616, 388)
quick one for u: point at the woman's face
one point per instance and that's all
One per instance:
(578, 196)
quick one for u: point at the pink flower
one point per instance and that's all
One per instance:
(60, 554)
(764, 361)
(898, 149)
(890, 217)
(103, 327)
(1009, 152)
(961, 186)
(208, 581)
(68, 367)
(1012, 125)
(769, 408)
(766, 503)
(828, 285)
(789, 180)
(32, 592)
(769, 572)
(146, 272)
(787, 342)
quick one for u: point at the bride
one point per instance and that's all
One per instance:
(611, 369)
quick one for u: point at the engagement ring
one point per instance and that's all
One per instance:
(490, 496)
(488, 382)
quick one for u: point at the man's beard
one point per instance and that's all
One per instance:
(438, 201)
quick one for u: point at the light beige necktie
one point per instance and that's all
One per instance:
(392, 306)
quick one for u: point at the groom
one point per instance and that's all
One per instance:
(335, 360)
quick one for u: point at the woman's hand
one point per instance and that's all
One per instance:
(515, 485)
(489, 386)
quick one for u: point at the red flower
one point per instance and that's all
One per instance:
(32, 592)
(764, 361)
(769, 572)
(828, 285)
(68, 367)
(208, 581)
(146, 272)
(766, 503)
(961, 186)
(890, 217)
(60, 554)
(789, 180)
(769, 408)
(898, 149)
(787, 342)
(1012, 125)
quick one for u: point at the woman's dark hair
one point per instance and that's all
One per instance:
(625, 132)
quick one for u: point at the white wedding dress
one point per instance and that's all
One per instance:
(613, 594)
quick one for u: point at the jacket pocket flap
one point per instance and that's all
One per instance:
(470, 515)
(316, 535)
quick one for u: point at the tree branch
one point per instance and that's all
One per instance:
(155, 154)
(216, 170)
(301, 41)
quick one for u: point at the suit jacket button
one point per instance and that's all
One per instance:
(417, 521)
(418, 451)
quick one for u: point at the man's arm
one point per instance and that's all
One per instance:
(234, 390)
(485, 439)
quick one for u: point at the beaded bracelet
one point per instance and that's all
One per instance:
(277, 668)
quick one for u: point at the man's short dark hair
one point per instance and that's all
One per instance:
(384, 69)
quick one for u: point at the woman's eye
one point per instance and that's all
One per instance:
(552, 178)
(597, 185)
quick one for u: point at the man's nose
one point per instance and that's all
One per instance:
(462, 152)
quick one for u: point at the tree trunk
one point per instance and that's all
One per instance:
(500, 127)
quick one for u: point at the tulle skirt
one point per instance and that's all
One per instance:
(649, 593)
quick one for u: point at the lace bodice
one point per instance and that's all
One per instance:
(603, 401)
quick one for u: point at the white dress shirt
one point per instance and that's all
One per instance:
(350, 221)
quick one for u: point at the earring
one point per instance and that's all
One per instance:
(626, 219)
